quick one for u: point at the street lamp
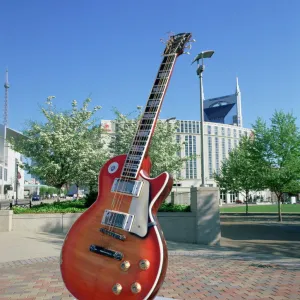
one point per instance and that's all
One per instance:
(200, 69)
(17, 177)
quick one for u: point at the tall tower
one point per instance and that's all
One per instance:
(239, 104)
(5, 113)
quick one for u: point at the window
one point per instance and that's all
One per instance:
(228, 132)
(5, 174)
(217, 154)
(223, 148)
(190, 149)
(216, 130)
(209, 129)
(210, 169)
(229, 146)
(234, 133)
(223, 130)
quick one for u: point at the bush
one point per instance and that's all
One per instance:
(90, 198)
(169, 207)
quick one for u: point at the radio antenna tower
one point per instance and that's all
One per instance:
(6, 86)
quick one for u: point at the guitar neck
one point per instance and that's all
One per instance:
(142, 139)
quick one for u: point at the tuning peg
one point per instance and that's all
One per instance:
(188, 53)
(192, 41)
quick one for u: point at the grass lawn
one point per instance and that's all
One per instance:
(286, 208)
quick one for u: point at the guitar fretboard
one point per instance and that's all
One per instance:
(146, 126)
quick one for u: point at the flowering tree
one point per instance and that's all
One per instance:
(66, 149)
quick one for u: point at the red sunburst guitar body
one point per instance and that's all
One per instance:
(116, 249)
(86, 275)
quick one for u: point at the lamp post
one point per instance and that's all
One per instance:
(17, 170)
(200, 69)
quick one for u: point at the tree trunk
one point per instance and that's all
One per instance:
(77, 191)
(247, 207)
(279, 207)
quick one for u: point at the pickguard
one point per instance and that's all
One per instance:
(139, 207)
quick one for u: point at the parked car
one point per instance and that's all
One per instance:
(35, 198)
(239, 202)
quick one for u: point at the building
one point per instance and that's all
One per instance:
(11, 174)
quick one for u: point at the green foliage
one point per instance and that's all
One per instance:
(276, 149)
(66, 149)
(80, 206)
(55, 207)
(90, 198)
(169, 207)
(163, 150)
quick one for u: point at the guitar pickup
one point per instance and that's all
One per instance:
(127, 187)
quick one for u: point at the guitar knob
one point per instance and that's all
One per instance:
(144, 264)
(125, 265)
(117, 289)
(136, 288)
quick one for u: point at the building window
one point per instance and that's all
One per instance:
(178, 140)
(229, 146)
(228, 132)
(190, 127)
(190, 149)
(217, 154)
(223, 148)
(181, 126)
(234, 133)
(223, 131)
(198, 126)
(5, 174)
(235, 143)
(240, 133)
(209, 129)
(185, 126)
(216, 130)
(194, 127)
(210, 168)
(1, 172)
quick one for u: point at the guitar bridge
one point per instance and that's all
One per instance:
(117, 219)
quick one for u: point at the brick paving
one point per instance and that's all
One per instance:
(190, 276)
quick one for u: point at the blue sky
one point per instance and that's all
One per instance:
(111, 51)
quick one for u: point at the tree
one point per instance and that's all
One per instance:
(66, 149)
(276, 149)
(163, 150)
(239, 172)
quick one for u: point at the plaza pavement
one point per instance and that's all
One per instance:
(29, 269)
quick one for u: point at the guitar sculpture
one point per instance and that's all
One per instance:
(116, 249)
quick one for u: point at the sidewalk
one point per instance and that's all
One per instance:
(29, 269)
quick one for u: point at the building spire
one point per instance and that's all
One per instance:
(239, 104)
(6, 86)
(237, 89)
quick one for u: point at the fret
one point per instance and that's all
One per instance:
(145, 127)
(134, 157)
(158, 88)
(147, 116)
(163, 74)
(137, 148)
(152, 103)
(155, 96)
(151, 109)
(143, 133)
(130, 169)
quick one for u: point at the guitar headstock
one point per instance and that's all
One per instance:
(177, 43)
